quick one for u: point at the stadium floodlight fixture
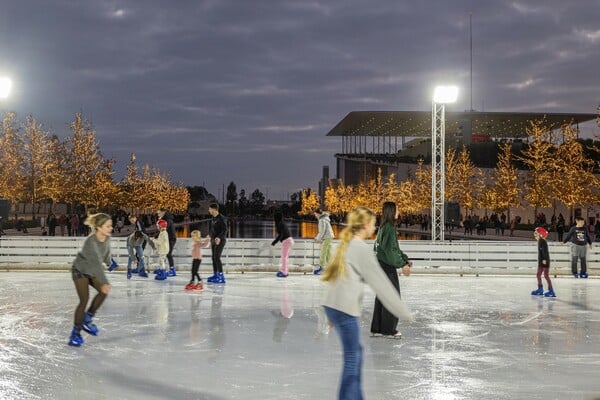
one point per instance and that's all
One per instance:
(445, 94)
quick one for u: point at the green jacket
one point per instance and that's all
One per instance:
(386, 247)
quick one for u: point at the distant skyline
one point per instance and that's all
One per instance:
(220, 91)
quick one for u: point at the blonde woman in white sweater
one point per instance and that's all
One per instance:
(354, 263)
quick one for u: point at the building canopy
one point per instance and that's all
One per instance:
(418, 123)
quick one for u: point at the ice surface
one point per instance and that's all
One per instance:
(259, 337)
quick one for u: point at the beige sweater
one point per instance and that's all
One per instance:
(345, 293)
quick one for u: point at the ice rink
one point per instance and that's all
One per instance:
(259, 337)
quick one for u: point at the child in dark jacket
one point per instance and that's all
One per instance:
(540, 235)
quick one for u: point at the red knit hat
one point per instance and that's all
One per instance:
(162, 223)
(542, 232)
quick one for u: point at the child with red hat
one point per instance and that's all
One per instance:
(162, 247)
(540, 235)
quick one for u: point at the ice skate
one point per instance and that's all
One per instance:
(143, 273)
(583, 275)
(189, 286)
(89, 326)
(113, 265)
(161, 275)
(198, 286)
(550, 293)
(212, 279)
(280, 274)
(538, 292)
(318, 271)
(75, 340)
(172, 271)
(220, 278)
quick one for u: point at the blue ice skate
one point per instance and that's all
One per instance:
(318, 271)
(583, 275)
(161, 275)
(129, 273)
(550, 293)
(143, 273)
(538, 292)
(172, 271)
(89, 326)
(220, 278)
(212, 279)
(280, 274)
(113, 265)
(575, 275)
(135, 270)
(75, 340)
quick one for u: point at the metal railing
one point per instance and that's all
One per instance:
(457, 257)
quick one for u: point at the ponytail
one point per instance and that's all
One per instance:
(95, 221)
(357, 220)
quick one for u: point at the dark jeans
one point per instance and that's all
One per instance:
(348, 328)
(385, 322)
(216, 251)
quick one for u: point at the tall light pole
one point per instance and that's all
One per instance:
(442, 95)
(5, 86)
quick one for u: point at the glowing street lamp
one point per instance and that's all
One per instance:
(442, 95)
(5, 86)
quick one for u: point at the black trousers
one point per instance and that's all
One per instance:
(385, 322)
(217, 250)
(170, 254)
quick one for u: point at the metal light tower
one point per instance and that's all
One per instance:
(441, 96)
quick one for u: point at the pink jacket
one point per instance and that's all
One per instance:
(197, 247)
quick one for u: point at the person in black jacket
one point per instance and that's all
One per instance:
(540, 235)
(217, 235)
(579, 237)
(167, 216)
(283, 236)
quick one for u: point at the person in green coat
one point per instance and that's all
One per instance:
(390, 258)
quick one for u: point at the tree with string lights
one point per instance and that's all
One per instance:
(539, 159)
(573, 179)
(504, 192)
(12, 174)
(462, 178)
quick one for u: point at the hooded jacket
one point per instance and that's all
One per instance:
(325, 230)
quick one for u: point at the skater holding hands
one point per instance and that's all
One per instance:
(162, 248)
(135, 251)
(197, 244)
(540, 235)
(88, 270)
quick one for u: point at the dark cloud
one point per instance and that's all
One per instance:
(223, 90)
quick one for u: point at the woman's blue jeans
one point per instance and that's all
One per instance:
(139, 252)
(348, 327)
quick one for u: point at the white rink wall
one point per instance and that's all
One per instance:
(241, 255)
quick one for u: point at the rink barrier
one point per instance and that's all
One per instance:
(241, 255)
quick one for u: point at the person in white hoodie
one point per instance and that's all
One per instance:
(354, 263)
(325, 236)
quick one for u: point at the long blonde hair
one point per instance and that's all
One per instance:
(357, 220)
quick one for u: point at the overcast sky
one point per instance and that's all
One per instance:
(217, 91)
